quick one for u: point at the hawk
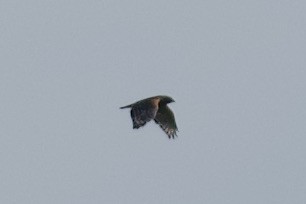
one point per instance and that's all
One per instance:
(154, 108)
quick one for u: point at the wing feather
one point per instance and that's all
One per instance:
(165, 118)
(143, 111)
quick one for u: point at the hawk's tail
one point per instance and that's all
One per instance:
(128, 106)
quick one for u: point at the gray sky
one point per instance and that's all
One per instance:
(235, 68)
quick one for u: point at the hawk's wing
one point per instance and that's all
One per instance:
(165, 118)
(143, 111)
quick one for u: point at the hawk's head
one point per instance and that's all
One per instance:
(165, 99)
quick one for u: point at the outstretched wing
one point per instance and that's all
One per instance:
(165, 118)
(143, 111)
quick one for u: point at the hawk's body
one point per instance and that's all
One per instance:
(154, 108)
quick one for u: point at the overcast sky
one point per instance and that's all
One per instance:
(236, 69)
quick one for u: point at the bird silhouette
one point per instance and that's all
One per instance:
(154, 108)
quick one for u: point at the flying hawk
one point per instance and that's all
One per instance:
(154, 108)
